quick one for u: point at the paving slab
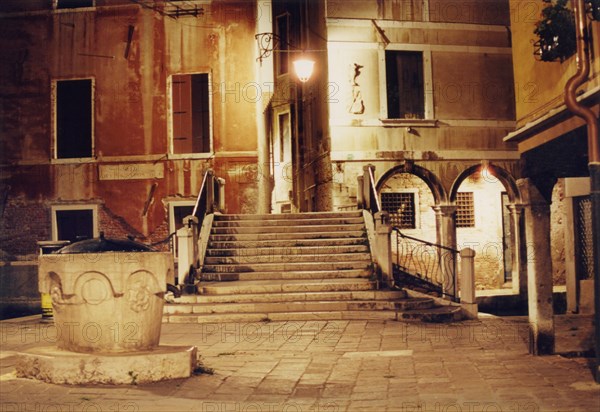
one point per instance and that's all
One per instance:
(342, 365)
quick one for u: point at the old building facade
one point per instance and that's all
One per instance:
(421, 90)
(113, 110)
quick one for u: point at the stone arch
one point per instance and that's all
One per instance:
(432, 181)
(507, 180)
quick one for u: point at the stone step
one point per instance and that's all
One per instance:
(299, 306)
(229, 237)
(286, 229)
(268, 222)
(288, 267)
(293, 297)
(442, 314)
(288, 216)
(287, 251)
(291, 243)
(267, 286)
(278, 275)
(321, 258)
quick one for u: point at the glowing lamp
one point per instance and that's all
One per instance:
(303, 68)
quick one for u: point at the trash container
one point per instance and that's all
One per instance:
(47, 247)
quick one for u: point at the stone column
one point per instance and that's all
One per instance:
(519, 280)
(446, 236)
(539, 269)
(187, 248)
(221, 202)
(383, 246)
(468, 300)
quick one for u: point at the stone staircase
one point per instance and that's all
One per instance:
(310, 266)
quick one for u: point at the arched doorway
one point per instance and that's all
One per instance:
(487, 220)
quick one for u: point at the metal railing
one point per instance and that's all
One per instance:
(434, 265)
(209, 198)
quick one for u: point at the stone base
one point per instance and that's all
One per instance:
(53, 365)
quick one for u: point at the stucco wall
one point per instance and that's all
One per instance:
(539, 86)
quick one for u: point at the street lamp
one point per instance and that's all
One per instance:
(304, 68)
(268, 42)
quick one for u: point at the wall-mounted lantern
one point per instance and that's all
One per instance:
(269, 42)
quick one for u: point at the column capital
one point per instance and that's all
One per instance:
(516, 208)
(445, 210)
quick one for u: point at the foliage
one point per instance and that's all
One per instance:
(556, 32)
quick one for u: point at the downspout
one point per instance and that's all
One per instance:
(583, 70)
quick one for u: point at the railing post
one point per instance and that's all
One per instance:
(221, 202)
(187, 248)
(210, 191)
(360, 192)
(383, 248)
(367, 185)
(467, 282)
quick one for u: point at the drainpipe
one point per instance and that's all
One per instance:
(583, 70)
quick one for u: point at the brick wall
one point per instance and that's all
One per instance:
(22, 224)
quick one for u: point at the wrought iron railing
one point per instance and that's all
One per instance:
(209, 197)
(435, 266)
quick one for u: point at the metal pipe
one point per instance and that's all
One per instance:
(581, 76)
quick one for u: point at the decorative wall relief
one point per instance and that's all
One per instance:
(357, 106)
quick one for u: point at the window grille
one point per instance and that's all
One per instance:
(465, 212)
(401, 207)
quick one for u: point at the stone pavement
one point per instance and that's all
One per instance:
(326, 366)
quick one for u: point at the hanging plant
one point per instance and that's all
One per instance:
(593, 8)
(556, 32)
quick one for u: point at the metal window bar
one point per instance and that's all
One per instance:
(465, 211)
(401, 208)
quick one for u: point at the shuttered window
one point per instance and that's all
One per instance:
(191, 113)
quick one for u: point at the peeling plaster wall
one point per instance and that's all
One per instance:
(131, 106)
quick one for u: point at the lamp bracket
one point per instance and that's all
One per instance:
(267, 43)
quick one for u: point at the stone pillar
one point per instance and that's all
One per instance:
(187, 247)
(539, 269)
(467, 282)
(446, 236)
(221, 202)
(383, 248)
(519, 280)
(360, 192)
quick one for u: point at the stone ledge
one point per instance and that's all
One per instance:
(57, 366)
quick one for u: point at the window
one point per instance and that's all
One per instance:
(465, 211)
(401, 207)
(73, 117)
(74, 222)
(191, 113)
(282, 53)
(405, 84)
(73, 4)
